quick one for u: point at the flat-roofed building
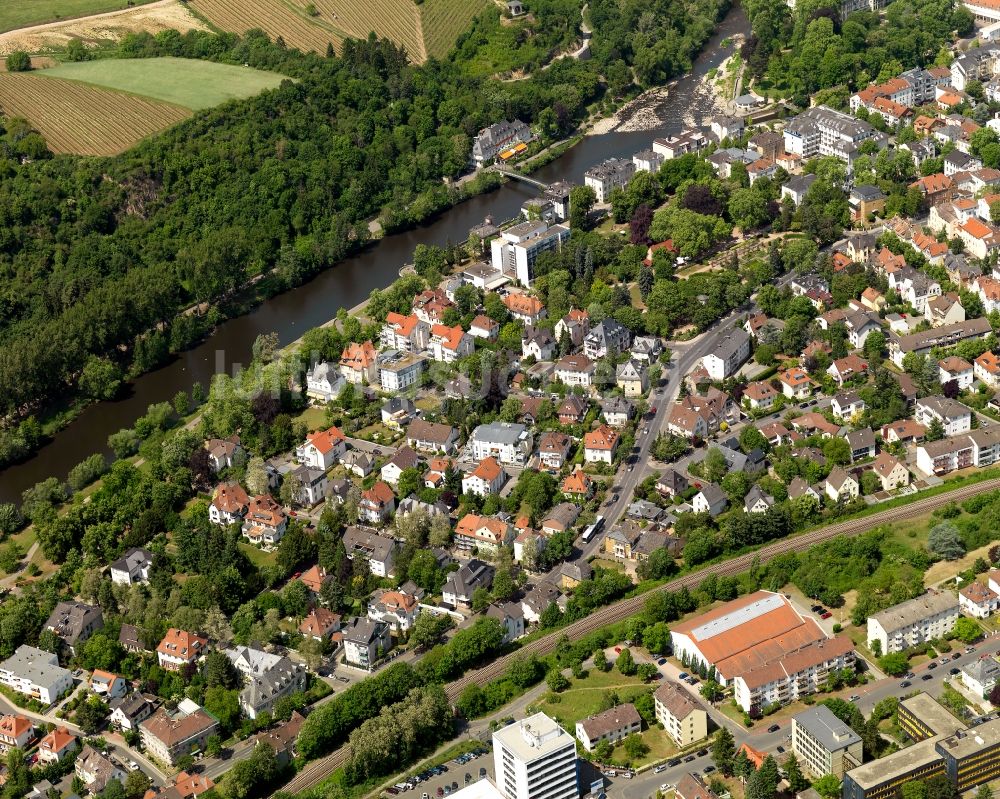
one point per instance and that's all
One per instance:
(922, 718)
(612, 725)
(824, 743)
(971, 757)
(535, 758)
(884, 778)
(913, 622)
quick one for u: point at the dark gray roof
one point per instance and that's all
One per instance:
(821, 725)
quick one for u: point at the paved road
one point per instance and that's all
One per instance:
(116, 744)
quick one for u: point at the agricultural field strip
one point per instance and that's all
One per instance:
(16, 14)
(239, 16)
(78, 118)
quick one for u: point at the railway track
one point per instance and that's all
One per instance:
(316, 771)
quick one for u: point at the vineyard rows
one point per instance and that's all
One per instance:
(87, 120)
(428, 29)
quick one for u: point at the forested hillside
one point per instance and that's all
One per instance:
(94, 253)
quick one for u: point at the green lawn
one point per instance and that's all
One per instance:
(583, 698)
(187, 82)
(257, 556)
(22, 13)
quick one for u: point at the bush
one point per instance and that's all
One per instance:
(86, 472)
(18, 61)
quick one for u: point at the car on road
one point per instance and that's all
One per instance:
(774, 728)
(708, 769)
(956, 656)
(667, 786)
(905, 684)
(689, 758)
(660, 768)
(674, 762)
(969, 650)
(855, 698)
(661, 661)
(927, 677)
(781, 749)
(954, 670)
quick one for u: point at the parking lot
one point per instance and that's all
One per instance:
(447, 778)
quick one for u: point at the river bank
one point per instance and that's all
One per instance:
(291, 313)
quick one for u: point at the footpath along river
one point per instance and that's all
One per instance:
(344, 285)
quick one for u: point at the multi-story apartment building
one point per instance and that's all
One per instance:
(612, 725)
(683, 718)
(913, 622)
(615, 173)
(823, 131)
(508, 442)
(535, 758)
(729, 354)
(398, 371)
(823, 743)
(515, 251)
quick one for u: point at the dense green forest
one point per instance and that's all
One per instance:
(96, 253)
(810, 48)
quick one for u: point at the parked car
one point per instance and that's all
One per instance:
(905, 684)
(660, 768)
(683, 675)
(661, 661)
(927, 677)
(674, 762)
(954, 670)
(701, 752)
(781, 749)
(956, 656)
(689, 758)
(708, 769)
(774, 728)
(855, 698)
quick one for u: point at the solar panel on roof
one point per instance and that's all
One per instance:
(738, 617)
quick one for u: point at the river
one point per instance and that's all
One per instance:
(350, 282)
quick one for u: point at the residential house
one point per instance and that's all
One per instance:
(646, 349)
(841, 486)
(525, 308)
(132, 568)
(730, 352)
(617, 411)
(575, 370)
(632, 377)
(365, 642)
(953, 415)
(74, 623)
(507, 442)
(402, 459)
(129, 711)
(56, 746)
(448, 344)
(104, 683)
(96, 770)
(843, 369)
(862, 444)
(681, 715)
(698, 416)
(671, 483)
(460, 585)
(267, 678)
(224, 453)
(169, 737)
(500, 137)
(324, 382)
(485, 328)
(130, 639)
(614, 173)
(711, 499)
(978, 600)
(359, 462)
(430, 305)
(180, 648)
(16, 732)
(756, 501)
(322, 449)
(487, 478)
(986, 368)
(359, 363)
(553, 449)
(398, 412)
(612, 725)
(229, 504)
(800, 488)
(537, 343)
(600, 444)
(607, 338)
(980, 676)
(511, 616)
(905, 431)
(265, 522)
(405, 333)
(891, 472)
(945, 309)
(760, 396)
(572, 410)
(795, 383)
(399, 609)
(397, 370)
(796, 186)
(872, 299)
(576, 325)
(378, 550)
(320, 624)
(560, 518)
(377, 504)
(957, 369)
(578, 485)
(482, 533)
(432, 437)
(847, 405)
